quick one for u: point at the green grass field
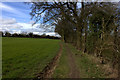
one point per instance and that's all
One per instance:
(26, 57)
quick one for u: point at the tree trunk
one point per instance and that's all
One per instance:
(63, 37)
(85, 47)
(102, 41)
(79, 28)
(79, 38)
(115, 54)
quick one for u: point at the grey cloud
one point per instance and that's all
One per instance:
(13, 27)
(8, 21)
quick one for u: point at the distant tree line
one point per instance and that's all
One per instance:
(93, 28)
(29, 35)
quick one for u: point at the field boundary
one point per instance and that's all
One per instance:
(49, 69)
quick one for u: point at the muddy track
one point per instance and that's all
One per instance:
(48, 70)
(74, 73)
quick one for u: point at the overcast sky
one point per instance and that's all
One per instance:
(15, 18)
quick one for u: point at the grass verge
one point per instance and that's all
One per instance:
(62, 69)
(87, 68)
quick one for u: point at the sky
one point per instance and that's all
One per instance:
(15, 18)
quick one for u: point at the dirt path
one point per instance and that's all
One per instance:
(48, 70)
(74, 73)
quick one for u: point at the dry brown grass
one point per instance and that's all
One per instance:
(109, 72)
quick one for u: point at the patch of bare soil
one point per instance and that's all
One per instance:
(74, 72)
(48, 70)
